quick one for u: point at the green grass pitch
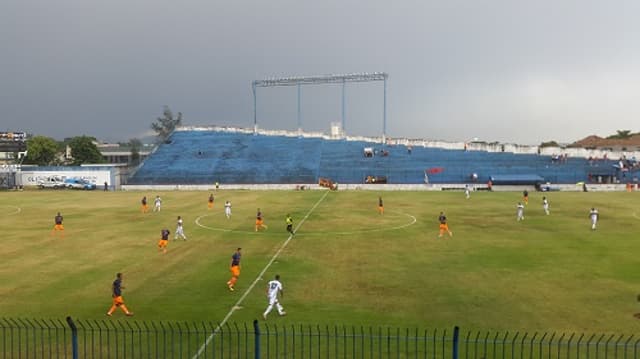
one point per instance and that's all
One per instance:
(347, 265)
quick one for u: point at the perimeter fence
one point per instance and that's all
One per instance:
(38, 338)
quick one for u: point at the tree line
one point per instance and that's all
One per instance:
(46, 151)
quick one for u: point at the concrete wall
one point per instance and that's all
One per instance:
(372, 187)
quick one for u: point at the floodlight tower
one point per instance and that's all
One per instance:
(298, 81)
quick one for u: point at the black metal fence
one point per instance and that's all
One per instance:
(37, 338)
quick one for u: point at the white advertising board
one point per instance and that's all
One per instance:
(99, 177)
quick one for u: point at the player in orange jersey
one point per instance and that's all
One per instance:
(58, 226)
(444, 227)
(164, 240)
(144, 206)
(380, 206)
(260, 221)
(210, 202)
(235, 269)
(116, 294)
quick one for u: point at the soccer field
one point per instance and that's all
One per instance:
(347, 264)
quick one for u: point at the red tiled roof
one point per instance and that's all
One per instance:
(594, 141)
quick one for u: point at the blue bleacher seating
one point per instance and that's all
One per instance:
(204, 157)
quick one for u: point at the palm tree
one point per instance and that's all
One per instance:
(621, 135)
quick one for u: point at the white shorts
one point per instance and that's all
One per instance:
(273, 301)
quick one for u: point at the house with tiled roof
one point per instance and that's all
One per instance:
(611, 144)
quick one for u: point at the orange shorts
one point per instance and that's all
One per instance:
(235, 271)
(259, 222)
(444, 227)
(210, 205)
(118, 300)
(145, 207)
(58, 227)
(162, 243)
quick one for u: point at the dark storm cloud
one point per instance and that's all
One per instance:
(499, 70)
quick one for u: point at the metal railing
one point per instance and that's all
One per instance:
(38, 338)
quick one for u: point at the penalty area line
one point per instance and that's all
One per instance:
(258, 278)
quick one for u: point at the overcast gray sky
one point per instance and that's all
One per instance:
(499, 70)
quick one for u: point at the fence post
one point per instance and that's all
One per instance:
(256, 331)
(74, 337)
(456, 341)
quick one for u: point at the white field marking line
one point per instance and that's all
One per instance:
(413, 221)
(220, 229)
(18, 209)
(258, 278)
(636, 215)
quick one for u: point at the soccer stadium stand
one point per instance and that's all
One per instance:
(204, 157)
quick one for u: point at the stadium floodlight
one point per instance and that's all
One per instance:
(321, 80)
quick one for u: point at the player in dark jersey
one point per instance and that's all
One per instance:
(164, 240)
(235, 269)
(116, 294)
(144, 206)
(380, 206)
(444, 227)
(58, 226)
(260, 221)
(525, 196)
(210, 201)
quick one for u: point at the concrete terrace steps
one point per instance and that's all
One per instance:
(202, 157)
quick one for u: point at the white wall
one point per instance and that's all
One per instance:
(470, 146)
(373, 187)
(99, 177)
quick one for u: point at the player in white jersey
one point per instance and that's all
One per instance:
(520, 211)
(180, 229)
(274, 288)
(157, 204)
(545, 205)
(467, 191)
(227, 209)
(594, 215)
